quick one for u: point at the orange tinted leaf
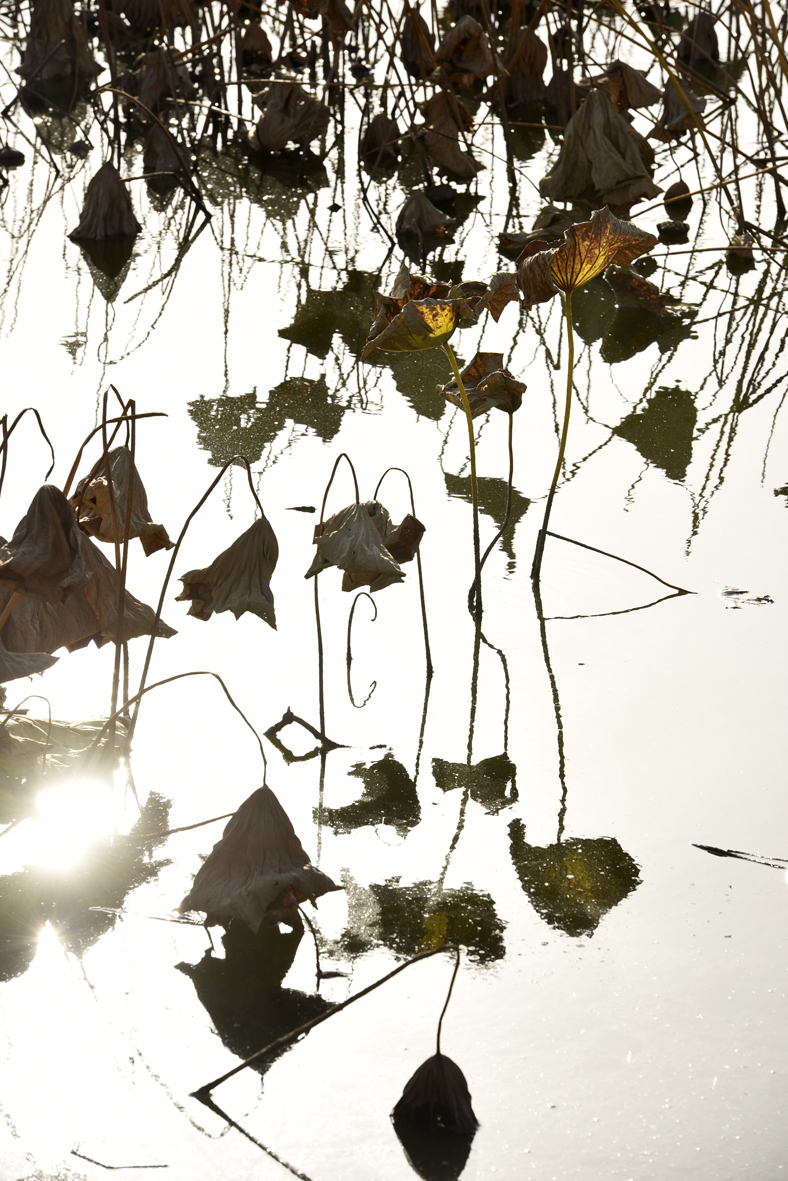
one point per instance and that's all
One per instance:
(591, 246)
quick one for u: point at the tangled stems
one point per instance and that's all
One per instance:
(536, 568)
(474, 488)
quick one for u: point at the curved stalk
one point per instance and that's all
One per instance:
(570, 362)
(474, 488)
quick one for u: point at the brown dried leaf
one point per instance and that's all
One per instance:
(629, 88)
(258, 871)
(107, 211)
(57, 46)
(417, 45)
(379, 143)
(419, 216)
(238, 580)
(91, 503)
(445, 117)
(589, 247)
(599, 158)
(466, 50)
(501, 290)
(534, 272)
(44, 557)
(488, 386)
(158, 75)
(353, 541)
(675, 118)
(437, 1095)
(256, 50)
(161, 152)
(23, 664)
(698, 45)
(526, 64)
(290, 115)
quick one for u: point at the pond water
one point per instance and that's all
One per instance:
(620, 1005)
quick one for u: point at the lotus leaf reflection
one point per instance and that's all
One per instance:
(487, 782)
(390, 797)
(574, 883)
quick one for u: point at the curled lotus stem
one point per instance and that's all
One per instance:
(474, 487)
(507, 515)
(427, 652)
(349, 656)
(536, 568)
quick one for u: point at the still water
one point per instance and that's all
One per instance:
(620, 1008)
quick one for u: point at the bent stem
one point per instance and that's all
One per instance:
(474, 488)
(428, 654)
(536, 568)
(505, 525)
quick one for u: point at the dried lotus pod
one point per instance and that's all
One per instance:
(107, 211)
(437, 1096)
(238, 580)
(258, 872)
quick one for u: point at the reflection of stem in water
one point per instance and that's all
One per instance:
(427, 688)
(467, 789)
(320, 794)
(507, 691)
(349, 654)
(556, 706)
(624, 610)
(313, 932)
(204, 1091)
(505, 525)
(679, 590)
(269, 1152)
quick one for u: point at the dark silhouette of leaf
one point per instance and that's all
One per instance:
(492, 501)
(486, 781)
(389, 797)
(663, 431)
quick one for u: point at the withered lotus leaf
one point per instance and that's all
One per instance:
(599, 158)
(419, 216)
(501, 290)
(44, 557)
(379, 143)
(445, 117)
(338, 16)
(89, 613)
(238, 580)
(257, 53)
(391, 327)
(57, 46)
(417, 45)
(91, 502)
(356, 540)
(422, 324)
(466, 50)
(587, 249)
(676, 118)
(488, 386)
(290, 115)
(161, 152)
(23, 664)
(437, 1095)
(258, 872)
(107, 211)
(698, 45)
(549, 226)
(158, 75)
(629, 88)
(525, 59)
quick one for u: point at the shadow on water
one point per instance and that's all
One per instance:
(243, 993)
(106, 875)
(389, 797)
(433, 1154)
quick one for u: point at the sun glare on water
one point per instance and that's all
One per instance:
(72, 817)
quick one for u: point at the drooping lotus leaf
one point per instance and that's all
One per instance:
(258, 872)
(90, 613)
(57, 46)
(599, 159)
(238, 580)
(44, 558)
(243, 992)
(525, 59)
(445, 117)
(107, 211)
(159, 75)
(338, 16)
(419, 216)
(466, 51)
(487, 781)
(574, 883)
(405, 324)
(390, 797)
(437, 1095)
(549, 225)
(356, 540)
(417, 45)
(91, 502)
(290, 115)
(161, 152)
(679, 114)
(488, 386)
(37, 750)
(23, 664)
(379, 145)
(148, 16)
(257, 53)
(501, 290)
(587, 249)
(629, 88)
(698, 45)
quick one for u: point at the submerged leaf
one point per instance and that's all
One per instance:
(437, 1095)
(258, 872)
(44, 557)
(356, 540)
(488, 386)
(91, 502)
(238, 580)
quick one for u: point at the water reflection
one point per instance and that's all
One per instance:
(243, 992)
(631, 331)
(434, 1155)
(345, 310)
(389, 797)
(105, 876)
(663, 430)
(572, 884)
(490, 783)
(410, 919)
(493, 493)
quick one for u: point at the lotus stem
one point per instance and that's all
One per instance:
(536, 568)
(427, 653)
(505, 525)
(474, 487)
(122, 418)
(448, 998)
(8, 431)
